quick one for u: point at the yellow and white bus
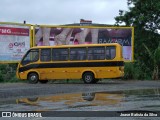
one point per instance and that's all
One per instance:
(89, 62)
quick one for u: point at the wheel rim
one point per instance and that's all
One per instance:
(33, 78)
(88, 78)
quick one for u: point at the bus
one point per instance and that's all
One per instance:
(89, 62)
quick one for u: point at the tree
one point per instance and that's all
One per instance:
(155, 57)
(144, 15)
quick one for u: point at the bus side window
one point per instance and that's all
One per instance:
(45, 55)
(78, 53)
(110, 52)
(96, 53)
(113, 53)
(73, 54)
(60, 54)
(55, 54)
(82, 54)
(64, 55)
(90, 54)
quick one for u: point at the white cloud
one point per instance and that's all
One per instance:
(60, 11)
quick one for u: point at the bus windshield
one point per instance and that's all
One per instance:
(31, 56)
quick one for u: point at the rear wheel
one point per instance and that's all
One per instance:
(33, 78)
(43, 81)
(88, 77)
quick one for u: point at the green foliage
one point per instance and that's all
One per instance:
(155, 59)
(8, 73)
(157, 55)
(135, 71)
(144, 16)
(1, 77)
(3, 71)
(129, 71)
(154, 55)
(142, 13)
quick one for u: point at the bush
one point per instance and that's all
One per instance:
(128, 71)
(136, 71)
(8, 72)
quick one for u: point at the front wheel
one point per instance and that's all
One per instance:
(88, 77)
(33, 78)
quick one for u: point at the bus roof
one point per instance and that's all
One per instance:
(79, 45)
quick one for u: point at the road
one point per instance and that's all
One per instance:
(113, 95)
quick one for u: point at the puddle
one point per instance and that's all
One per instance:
(143, 99)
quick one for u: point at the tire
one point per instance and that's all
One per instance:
(33, 78)
(88, 77)
(43, 81)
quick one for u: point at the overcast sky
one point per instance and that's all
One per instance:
(56, 12)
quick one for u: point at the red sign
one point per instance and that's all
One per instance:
(14, 31)
(85, 22)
